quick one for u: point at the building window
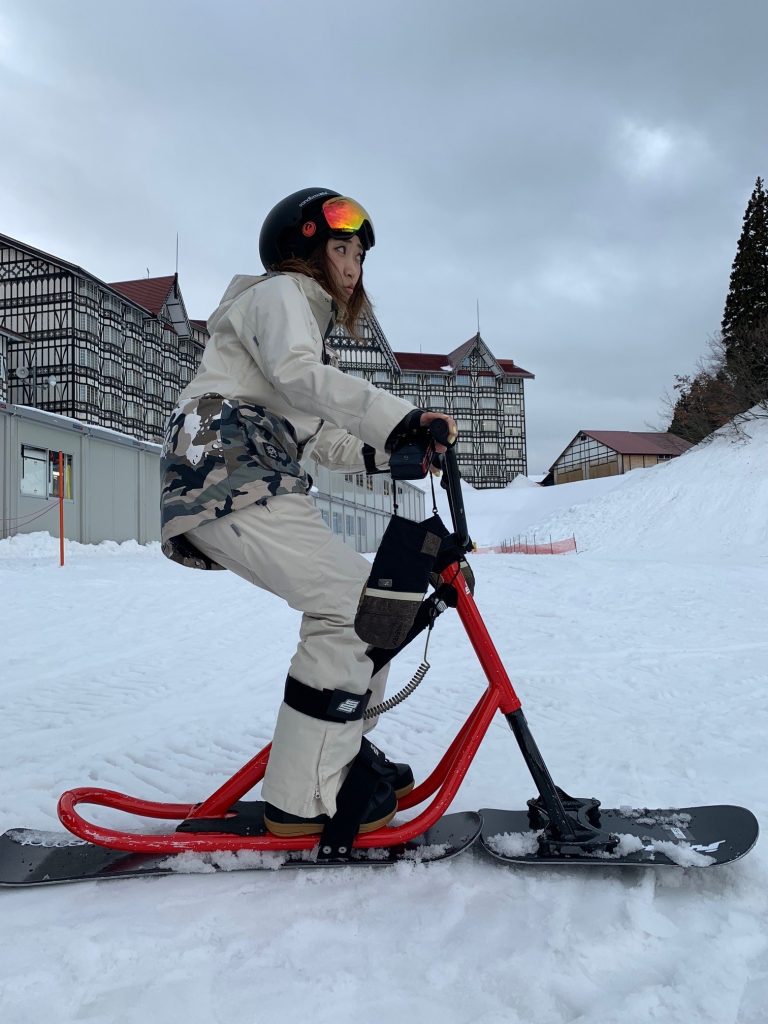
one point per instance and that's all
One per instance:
(486, 382)
(88, 357)
(463, 380)
(87, 288)
(87, 393)
(486, 403)
(40, 473)
(380, 377)
(112, 403)
(350, 525)
(33, 471)
(88, 322)
(336, 522)
(54, 481)
(324, 514)
(463, 402)
(436, 379)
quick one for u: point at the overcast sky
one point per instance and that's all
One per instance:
(579, 168)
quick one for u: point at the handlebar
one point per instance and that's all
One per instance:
(412, 459)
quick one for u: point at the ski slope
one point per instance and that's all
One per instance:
(642, 663)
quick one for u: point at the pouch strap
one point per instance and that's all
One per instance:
(327, 705)
(369, 458)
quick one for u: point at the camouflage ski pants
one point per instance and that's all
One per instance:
(286, 548)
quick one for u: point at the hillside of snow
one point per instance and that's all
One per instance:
(642, 664)
(714, 496)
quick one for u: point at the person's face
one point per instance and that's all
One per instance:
(345, 260)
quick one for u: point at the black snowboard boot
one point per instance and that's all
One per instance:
(399, 776)
(380, 810)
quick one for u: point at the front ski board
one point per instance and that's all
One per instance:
(682, 836)
(33, 857)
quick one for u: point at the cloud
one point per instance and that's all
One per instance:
(660, 153)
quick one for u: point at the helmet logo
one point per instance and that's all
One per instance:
(308, 229)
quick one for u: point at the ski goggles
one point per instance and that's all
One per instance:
(345, 216)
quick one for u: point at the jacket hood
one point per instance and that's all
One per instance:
(238, 284)
(321, 302)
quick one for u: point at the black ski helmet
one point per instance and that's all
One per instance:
(297, 223)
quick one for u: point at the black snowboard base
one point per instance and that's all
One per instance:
(681, 836)
(33, 857)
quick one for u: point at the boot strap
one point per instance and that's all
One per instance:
(365, 773)
(327, 705)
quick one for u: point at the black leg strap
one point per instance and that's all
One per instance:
(327, 705)
(351, 803)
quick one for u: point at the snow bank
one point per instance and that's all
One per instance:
(42, 545)
(713, 498)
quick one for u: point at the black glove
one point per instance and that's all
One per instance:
(409, 424)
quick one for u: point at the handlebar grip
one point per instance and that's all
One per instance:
(439, 431)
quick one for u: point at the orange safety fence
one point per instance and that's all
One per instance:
(520, 546)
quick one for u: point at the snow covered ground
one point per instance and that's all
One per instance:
(642, 663)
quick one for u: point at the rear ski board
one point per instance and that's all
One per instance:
(34, 857)
(682, 836)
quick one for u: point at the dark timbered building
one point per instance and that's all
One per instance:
(485, 395)
(117, 355)
(113, 355)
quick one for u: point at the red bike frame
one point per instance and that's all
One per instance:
(442, 784)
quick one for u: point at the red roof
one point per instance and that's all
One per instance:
(149, 292)
(633, 442)
(508, 366)
(422, 361)
(201, 324)
(428, 362)
(455, 358)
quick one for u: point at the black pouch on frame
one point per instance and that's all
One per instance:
(398, 580)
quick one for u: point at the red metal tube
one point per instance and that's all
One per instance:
(481, 641)
(177, 842)
(218, 803)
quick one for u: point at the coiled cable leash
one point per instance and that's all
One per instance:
(407, 690)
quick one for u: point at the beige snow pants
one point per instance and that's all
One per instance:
(286, 548)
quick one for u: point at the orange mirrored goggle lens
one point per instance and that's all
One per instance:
(346, 215)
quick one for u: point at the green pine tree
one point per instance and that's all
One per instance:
(746, 305)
